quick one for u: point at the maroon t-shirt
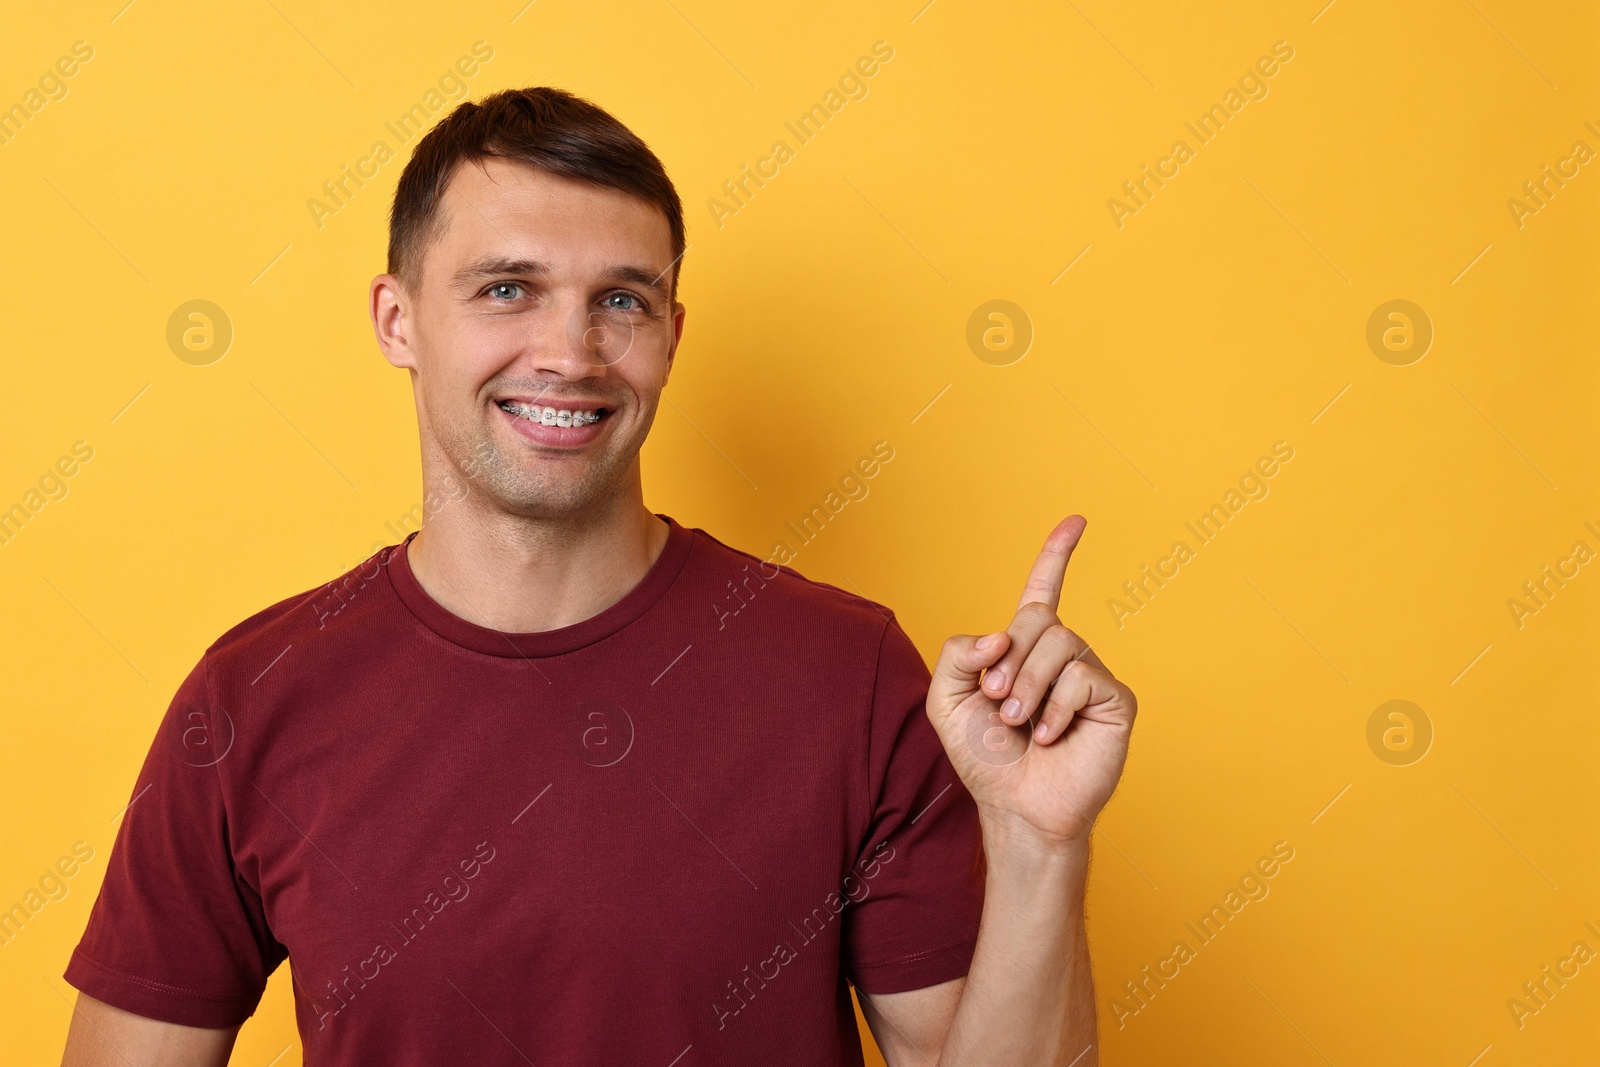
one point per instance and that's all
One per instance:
(668, 834)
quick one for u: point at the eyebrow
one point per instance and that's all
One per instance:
(489, 266)
(493, 266)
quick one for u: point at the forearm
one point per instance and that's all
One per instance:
(1029, 994)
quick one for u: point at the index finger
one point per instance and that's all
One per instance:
(1044, 581)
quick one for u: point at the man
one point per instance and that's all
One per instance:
(559, 780)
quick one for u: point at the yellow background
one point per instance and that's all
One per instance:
(1228, 314)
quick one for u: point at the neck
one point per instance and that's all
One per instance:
(523, 575)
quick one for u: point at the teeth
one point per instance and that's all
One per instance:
(550, 416)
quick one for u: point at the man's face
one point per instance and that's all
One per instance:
(540, 331)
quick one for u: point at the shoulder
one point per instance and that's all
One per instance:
(781, 594)
(250, 646)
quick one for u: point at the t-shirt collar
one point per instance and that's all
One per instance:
(555, 642)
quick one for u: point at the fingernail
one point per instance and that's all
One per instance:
(1040, 733)
(985, 641)
(1011, 709)
(995, 680)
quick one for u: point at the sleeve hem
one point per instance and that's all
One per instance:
(157, 1000)
(916, 971)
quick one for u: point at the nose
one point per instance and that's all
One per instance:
(570, 340)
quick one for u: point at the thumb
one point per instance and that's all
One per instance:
(962, 660)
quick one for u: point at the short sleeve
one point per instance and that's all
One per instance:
(176, 934)
(918, 892)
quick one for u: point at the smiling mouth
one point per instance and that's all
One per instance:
(553, 416)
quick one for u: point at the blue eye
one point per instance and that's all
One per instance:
(495, 290)
(633, 302)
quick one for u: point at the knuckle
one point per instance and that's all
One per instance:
(1061, 699)
(1038, 613)
(1030, 680)
(1058, 634)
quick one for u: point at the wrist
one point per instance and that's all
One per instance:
(1009, 839)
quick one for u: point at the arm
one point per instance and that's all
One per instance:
(104, 1036)
(1029, 996)
(1038, 730)
(1032, 961)
(177, 949)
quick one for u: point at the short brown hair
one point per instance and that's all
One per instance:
(549, 128)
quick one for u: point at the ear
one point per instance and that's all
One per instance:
(389, 306)
(677, 334)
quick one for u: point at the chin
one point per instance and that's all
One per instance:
(538, 495)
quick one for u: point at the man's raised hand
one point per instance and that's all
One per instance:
(1033, 722)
